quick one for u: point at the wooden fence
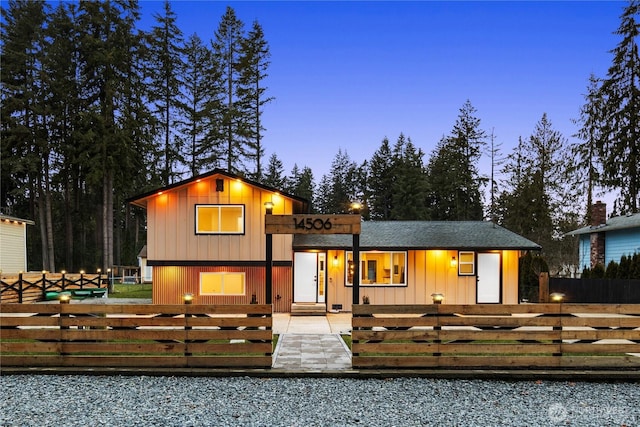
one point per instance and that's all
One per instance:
(603, 291)
(567, 336)
(32, 287)
(137, 335)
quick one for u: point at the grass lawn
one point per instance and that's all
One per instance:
(120, 290)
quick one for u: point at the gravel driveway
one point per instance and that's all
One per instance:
(43, 400)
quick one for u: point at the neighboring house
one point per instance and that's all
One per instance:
(607, 240)
(13, 244)
(146, 271)
(206, 236)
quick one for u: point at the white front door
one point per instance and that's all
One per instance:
(488, 278)
(309, 277)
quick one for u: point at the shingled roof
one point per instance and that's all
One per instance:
(613, 223)
(402, 235)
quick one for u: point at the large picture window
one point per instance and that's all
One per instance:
(219, 219)
(379, 268)
(222, 283)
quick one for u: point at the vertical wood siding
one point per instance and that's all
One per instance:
(171, 224)
(429, 271)
(170, 283)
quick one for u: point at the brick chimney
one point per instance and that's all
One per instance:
(598, 218)
(598, 214)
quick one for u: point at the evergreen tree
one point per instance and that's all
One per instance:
(202, 93)
(408, 190)
(166, 70)
(619, 107)
(227, 50)
(585, 168)
(496, 161)
(105, 48)
(274, 176)
(26, 151)
(341, 187)
(254, 62)
(453, 176)
(381, 182)
(300, 183)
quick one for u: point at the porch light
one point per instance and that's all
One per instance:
(187, 298)
(453, 262)
(355, 207)
(557, 296)
(335, 261)
(437, 298)
(269, 207)
(65, 298)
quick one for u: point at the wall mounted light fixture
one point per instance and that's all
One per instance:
(453, 262)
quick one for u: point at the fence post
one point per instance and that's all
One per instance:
(543, 287)
(20, 288)
(187, 299)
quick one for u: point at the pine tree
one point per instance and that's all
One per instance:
(300, 183)
(585, 168)
(26, 151)
(202, 99)
(408, 189)
(105, 48)
(341, 187)
(274, 175)
(254, 62)
(227, 50)
(619, 100)
(166, 68)
(453, 176)
(381, 182)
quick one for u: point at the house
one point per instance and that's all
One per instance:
(606, 240)
(406, 262)
(13, 244)
(146, 271)
(206, 236)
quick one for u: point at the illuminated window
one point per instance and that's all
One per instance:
(219, 219)
(379, 268)
(466, 263)
(222, 283)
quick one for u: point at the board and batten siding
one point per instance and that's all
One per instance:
(171, 224)
(428, 272)
(13, 247)
(621, 242)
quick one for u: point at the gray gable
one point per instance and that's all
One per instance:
(420, 235)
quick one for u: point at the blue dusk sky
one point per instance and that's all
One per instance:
(345, 75)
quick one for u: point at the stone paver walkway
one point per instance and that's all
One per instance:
(311, 352)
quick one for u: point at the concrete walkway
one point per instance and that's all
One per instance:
(311, 343)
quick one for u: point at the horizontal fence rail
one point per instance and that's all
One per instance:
(32, 287)
(136, 335)
(567, 336)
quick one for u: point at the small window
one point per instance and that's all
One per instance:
(466, 263)
(222, 283)
(219, 219)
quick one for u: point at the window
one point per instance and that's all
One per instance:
(379, 268)
(466, 263)
(219, 219)
(222, 283)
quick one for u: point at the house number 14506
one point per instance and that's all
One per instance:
(313, 224)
